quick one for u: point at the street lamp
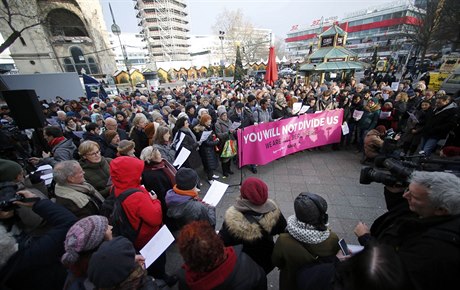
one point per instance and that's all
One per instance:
(222, 60)
(117, 31)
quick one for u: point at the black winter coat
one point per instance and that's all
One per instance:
(441, 122)
(194, 159)
(140, 140)
(428, 247)
(207, 152)
(38, 265)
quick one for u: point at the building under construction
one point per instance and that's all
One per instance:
(165, 27)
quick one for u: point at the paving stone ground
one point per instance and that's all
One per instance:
(332, 174)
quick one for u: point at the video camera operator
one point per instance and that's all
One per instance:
(12, 180)
(34, 262)
(424, 228)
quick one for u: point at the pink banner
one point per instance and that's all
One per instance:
(263, 143)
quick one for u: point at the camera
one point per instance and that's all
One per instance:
(8, 195)
(398, 170)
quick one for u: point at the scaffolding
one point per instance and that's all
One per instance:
(165, 27)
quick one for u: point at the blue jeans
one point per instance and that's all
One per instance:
(429, 145)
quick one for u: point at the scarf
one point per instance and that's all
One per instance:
(166, 167)
(56, 141)
(305, 233)
(191, 193)
(213, 278)
(244, 205)
(135, 280)
(80, 194)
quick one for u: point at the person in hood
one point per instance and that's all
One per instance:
(126, 173)
(61, 148)
(211, 265)
(140, 206)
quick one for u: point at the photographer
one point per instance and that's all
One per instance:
(11, 181)
(33, 262)
(423, 225)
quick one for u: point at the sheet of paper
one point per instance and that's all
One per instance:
(355, 248)
(357, 115)
(215, 193)
(385, 115)
(180, 159)
(46, 173)
(205, 136)
(296, 107)
(157, 245)
(345, 129)
(394, 86)
(181, 138)
(235, 125)
(304, 109)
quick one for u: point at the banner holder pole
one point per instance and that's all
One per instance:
(240, 167)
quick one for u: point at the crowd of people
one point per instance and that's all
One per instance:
(112, 171)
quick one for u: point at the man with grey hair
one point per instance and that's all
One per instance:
(423, 225)
(73, 192)
(112, 124)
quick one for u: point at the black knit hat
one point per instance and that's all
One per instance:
(186, 179)
(112, 263)
(311, 209)
(9, 170)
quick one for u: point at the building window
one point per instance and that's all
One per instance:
(68, 65)
(93, 66)
(78, 61)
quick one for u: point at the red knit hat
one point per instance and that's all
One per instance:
(254, 190)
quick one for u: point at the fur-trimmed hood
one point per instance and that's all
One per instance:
(242, 228)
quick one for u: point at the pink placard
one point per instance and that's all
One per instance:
(263, 143)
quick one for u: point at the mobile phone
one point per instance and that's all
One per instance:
(344, 247)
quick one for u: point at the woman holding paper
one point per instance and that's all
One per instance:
(184, 138)
(208, 141)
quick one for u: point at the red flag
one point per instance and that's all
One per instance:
(271, 75)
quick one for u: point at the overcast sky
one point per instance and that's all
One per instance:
(278, 15)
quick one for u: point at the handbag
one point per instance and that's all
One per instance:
(230, 149)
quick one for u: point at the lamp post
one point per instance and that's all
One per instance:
(222, 60)
(117, 31)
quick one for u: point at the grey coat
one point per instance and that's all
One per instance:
(167, 152)
(62, 151)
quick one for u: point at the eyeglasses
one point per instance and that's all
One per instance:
(94, 153)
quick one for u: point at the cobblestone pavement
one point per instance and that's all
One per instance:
(332, 174)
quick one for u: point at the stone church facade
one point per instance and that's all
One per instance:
(72, 37)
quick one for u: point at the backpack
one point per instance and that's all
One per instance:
(118, 218)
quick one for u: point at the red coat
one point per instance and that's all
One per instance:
(126, 173)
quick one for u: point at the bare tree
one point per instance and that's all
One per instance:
(438, 23)
(17, 21)
(238, 29)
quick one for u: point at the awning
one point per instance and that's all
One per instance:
(333, 66)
